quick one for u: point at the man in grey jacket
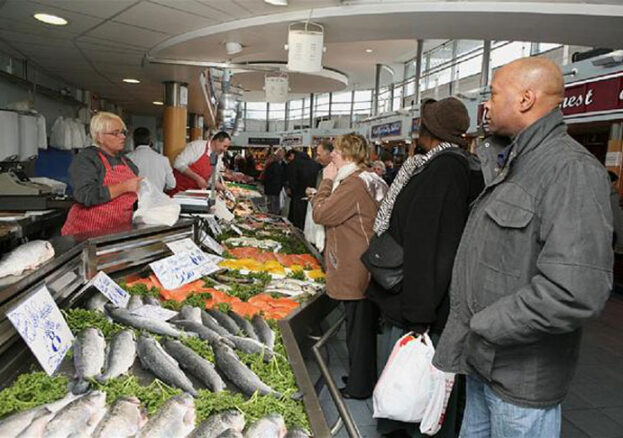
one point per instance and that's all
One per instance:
(534, 262)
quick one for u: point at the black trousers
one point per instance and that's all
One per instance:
(361, 330)
(298, 209)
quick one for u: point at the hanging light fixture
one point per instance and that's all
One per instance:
(276, 86)
(305, 47)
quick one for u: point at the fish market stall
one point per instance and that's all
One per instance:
(221, 350)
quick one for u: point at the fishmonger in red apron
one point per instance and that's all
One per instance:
(110, 215)
(202, 167)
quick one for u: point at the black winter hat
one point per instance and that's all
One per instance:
(446, 119)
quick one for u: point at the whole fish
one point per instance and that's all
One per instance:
(27, 256)
(89, 357)
(38, 425)
(263, 330)
(176, 418)
(196, 365)
(224, 321)
(121, 355)
(189, 313)
(97, 302)
(204, 332)
(12, 425)
(251, 346)
(244, 325)
(230, 433)
(218, 423)
(238, 373)
(297, 432)
(135, 302)
(154, 358)
(213, 324)
(153, 301)
(78, 418)
(124, 419)
(124, 316)
(271, 426)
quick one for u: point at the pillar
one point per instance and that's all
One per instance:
(195, 122)
(174, 118)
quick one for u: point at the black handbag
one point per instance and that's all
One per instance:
(383, 259)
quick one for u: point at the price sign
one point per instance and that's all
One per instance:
(182, 246)
(210, 243)
(179, 269)
(110, 289)
(39, 321)
(154, 312)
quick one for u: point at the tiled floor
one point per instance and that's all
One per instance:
(593, 408)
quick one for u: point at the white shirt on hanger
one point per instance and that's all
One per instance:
(153, 166)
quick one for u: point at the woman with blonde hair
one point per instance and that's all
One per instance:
(104, 182)
(346, 204)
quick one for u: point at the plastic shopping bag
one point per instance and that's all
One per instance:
(154, 207)
(314, 233)
(435, 411)
(406, 384)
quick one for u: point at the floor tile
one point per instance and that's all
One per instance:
(570, 431)
(594, 423)
(614, 413)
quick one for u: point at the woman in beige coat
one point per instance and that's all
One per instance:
(346, 204)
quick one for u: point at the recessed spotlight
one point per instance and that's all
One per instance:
(369, 50)
(158, 102)
(50, 19)
(131, 81)
(277, 2)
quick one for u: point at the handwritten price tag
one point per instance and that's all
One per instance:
(110, 289)
(41, 324)
(179, 269)
(182, 246)
(210, 243)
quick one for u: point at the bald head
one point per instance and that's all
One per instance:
(522, 92)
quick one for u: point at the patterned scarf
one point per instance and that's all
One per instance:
(411, 167)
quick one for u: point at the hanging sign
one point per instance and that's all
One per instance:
(392, 129)
(596, 95)
(40, 323)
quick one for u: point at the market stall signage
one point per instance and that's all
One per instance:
(179, 269)
(392, 129)
(182, 246)
(292, 140)
(210, 243)
(111, 290)
(415, 123)
(597, 95)
(187, 246)
(264, 141)
(214, 226)
(40, 323)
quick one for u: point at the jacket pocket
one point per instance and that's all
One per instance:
(479, 355)
(508, 215)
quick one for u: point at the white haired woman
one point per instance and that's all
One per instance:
(104, 182)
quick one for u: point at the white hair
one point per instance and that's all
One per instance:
(101, 122)
(379, 164)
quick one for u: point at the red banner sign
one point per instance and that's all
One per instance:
(594, 96)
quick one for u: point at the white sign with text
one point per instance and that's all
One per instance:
(180, 269)
(110, 289)
(210, 243)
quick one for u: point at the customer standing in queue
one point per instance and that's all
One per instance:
(151, 165)
(302, 172)
(193, 167)
(273, 183)
(534, 263)
(346, 204)
(425, 212)
(104, 182)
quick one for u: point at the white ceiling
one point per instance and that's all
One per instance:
(107, 40)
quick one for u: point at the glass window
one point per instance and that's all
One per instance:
(341, 97)
(277, 111)
(410, 87)
(363, 95)
(505, 52)
(256, 110)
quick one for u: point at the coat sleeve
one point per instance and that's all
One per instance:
(331, 209)
(574, 268)
(87, 179)
(431, 233)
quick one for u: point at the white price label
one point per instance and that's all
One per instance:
(154, 312)
(110, 289)
(236, 229)
(39, 321)
(614, 159)
(214, 226)
(179, 269)
(210, 243)
(182, 246)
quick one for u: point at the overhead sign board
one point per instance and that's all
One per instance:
(392, 129)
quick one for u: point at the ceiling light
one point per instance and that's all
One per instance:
(277, 2)
(50, 19)
(369, 50)
(233, 47)
(131, 81)
(158, 102)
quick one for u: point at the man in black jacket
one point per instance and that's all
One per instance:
(302, 172)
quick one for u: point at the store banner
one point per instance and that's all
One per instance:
(264, 141)
(596, 95)
(392, 129)
(292, 140)
(415, 123)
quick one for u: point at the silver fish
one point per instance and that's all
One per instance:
(204, 332)
(135, 302)
(263, 330)
(251, 346)
(80, 417)
(176, 418)
(12, 425)
(244, 325)
(194, 364)
(189, 313)
(154, 358)
(224, 321)
(297, 432)
(97, 302)
(124, 419)
(89, 357)
(153, 301)
(231, 433)
(218, 423)
(238, 373)
(213, 324)
(270, 426)
(124, 316)
(27, 256)
(121, 355)
(38, 425)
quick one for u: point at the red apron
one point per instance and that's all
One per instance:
(201, 167)
(110, 215)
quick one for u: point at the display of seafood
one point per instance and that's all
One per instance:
(27, 256)
(255, 243)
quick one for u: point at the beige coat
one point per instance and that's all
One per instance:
(348, 216)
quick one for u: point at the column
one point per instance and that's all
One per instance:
(486, 60)
(174, 118)
(418, 71)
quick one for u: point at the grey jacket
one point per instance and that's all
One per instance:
(534, 263)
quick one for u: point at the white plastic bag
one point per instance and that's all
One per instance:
(154, 207)
(406, 385)
(436, 409)
(314, 233)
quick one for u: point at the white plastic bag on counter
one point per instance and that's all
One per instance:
(154, 207)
